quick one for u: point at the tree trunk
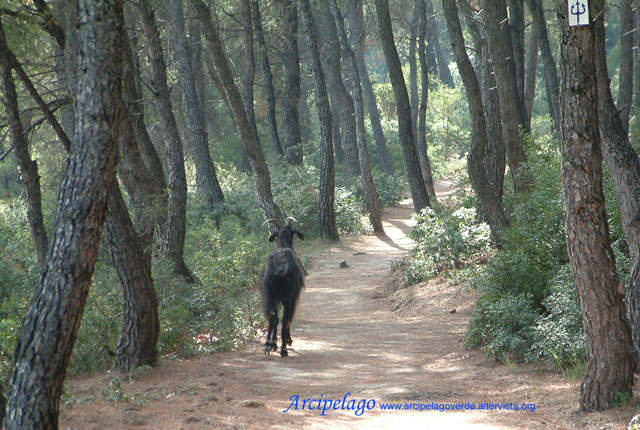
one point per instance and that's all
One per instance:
(516, 24)
(140, 326)
(410, 158)
(494, 157)
(368, 184)
(530, 74)
(624, 168)
(28, 167)
(140, 167)
(423, 156)
(292, 140)
(610, 370)
(413, 73)
(340, 98)
(177, 206)
(205, 170)
(358, 42)
(550, 72)
(499, 38)
(267, 206)
(625, 89)
(50, 327)
(268, 79)
(250, 69)
(326, 210)
(487, 195)
(434, 39)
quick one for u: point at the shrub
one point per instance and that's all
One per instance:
(445, 241)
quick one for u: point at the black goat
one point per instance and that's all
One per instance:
(281, 281)
(284, 236)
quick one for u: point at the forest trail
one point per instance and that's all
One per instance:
(349, 336)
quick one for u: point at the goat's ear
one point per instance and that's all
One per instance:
(272, 236)
(297, 233)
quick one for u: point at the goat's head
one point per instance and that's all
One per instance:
(284, 236)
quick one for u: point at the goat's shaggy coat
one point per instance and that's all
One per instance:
(280, 281)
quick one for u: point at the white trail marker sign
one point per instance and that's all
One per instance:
(578, 12)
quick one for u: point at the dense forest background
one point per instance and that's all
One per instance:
(233, 112)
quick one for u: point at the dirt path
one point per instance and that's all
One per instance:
(348, 337)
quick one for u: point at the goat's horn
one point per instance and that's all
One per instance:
(289, 219)
(269, 220)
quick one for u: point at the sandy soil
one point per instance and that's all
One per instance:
(349, 336)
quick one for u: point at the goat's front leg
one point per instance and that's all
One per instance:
(285, 337)
(270, 344)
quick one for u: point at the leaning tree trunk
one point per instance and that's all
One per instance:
(267, 206)
(609, 372)
(516, 24)
(250, 69)
(368, 184)
(550, 71)
(206, 177)
(177, 206)
(326, 210)
(50, 327)
(28, 167)
(140, 327)
(413, 72)
(358, 42)
(487, 195)
(292, 139)
(423, 156)
(410, 158)
(624, 168)
(625, 89)
(499, 38)
(530, 74)
(345, 113)
(433, 34)
(494, 156)
(268, 79)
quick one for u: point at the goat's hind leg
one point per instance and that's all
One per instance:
(270, 344)
(287, 316)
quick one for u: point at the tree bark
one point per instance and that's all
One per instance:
(140, 167)
(140, 326)
(268, 79)
(177, 206)
(250, 69)
(358, 42)
(413, 73)
(499, 38)
(409, 156)
(340, 98)
(326, 209)
(530, 74)
(50, 327)
(28, 167)
(516, 24)
(292, 140)
(487, 195)
(624, 168)
(625, 89)
(494, 157)
(423, 156)
(433, 37)
(368, 184)
(550, 72)
(610, 369)
(267, 206)
(206, 177)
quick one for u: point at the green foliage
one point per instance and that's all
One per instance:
(528, 306)
(445, 241)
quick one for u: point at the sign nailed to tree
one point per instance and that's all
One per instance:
(578, 12)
